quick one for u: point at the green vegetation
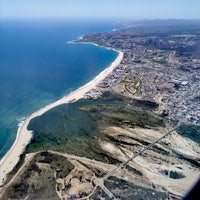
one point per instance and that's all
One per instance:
(59, 186)
(119, 114)
(143, 104)
(173, 174)
(129, 191)
(38, 182)
(74, 128)
(67, 128)
(136, 90)
(135, 171)
(190, 131)
(56, 162)
(156, 56)
(16, 168)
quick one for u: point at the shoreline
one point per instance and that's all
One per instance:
(91, 43)
(24, 136)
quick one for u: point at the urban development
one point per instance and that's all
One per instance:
(135, 135)
(160, 65)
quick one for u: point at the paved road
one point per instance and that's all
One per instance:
(27, 160)
(140, 152)
(99, 182)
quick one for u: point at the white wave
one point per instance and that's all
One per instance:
(21, 122)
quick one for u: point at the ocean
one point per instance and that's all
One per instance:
(38, 66)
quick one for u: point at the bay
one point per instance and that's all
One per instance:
(38, 66)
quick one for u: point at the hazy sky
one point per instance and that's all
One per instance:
(135, 9)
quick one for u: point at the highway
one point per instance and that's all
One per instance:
(140, 152)
(99, 182)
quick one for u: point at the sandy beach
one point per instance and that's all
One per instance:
(24, 136)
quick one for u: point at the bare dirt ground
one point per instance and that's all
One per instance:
(154, 165)
(160, 167)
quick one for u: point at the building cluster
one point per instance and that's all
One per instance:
(93, 94)
(167, 62)
(113, 78)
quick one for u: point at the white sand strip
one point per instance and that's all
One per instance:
(24, 136)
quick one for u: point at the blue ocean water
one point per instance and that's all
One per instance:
(38, 66)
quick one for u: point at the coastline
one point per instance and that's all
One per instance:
(23, 138)
(91, 43)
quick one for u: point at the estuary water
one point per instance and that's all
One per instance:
(38, 66)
